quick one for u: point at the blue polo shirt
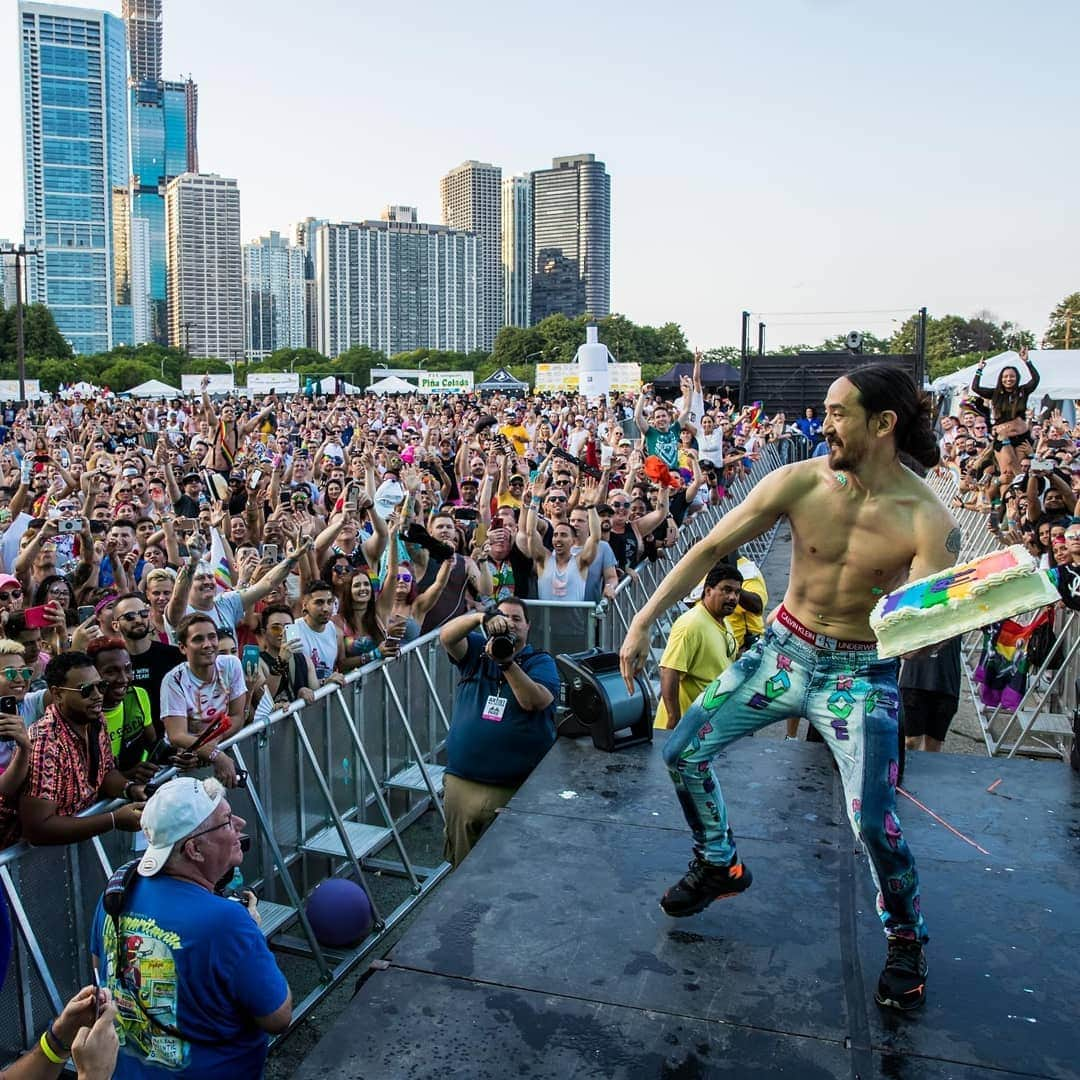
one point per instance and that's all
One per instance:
(501, 752)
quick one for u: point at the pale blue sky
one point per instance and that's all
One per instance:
(788, 156)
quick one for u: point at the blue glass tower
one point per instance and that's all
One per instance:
(75, 151)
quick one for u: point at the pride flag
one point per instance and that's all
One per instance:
(754, 416)
(1003, 665)
(219, 560)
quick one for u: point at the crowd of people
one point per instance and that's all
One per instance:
(170, 571)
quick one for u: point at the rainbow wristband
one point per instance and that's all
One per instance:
(48, 1051)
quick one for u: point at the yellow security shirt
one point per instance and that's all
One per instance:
(700, 648)
(741, 622)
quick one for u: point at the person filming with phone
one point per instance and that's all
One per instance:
(503, 720)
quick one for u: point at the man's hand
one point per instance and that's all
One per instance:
(128, 817)
(251, 902)
(633, 654)
(225, 769)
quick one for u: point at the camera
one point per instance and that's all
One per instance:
(502, 645)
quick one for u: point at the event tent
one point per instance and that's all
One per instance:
(503, 380)
(713, 377)
(83, 389)
(154, 388)
(1059, 373)
(392, 385)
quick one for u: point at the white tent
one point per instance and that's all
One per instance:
(154, 388)
(392, 385)
(83, 389)
(329, 386)
(1059, 374)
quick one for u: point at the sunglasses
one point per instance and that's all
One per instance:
(340, 569)
(619, 505)
(13, 673)
(15, 594)
(405, 579)
(557, 498)
(130, 616)
(87, 689)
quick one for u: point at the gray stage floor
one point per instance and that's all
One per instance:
(546, 954)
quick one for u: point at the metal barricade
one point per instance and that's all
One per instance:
(332, 787)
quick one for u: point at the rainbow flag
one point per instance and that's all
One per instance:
(219, 560)
(1003, 665)
(754, 417)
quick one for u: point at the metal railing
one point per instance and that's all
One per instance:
(332, 788)
(1040, 725)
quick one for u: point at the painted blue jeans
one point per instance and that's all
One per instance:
(852, 699)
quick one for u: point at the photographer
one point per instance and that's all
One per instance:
(503, 721)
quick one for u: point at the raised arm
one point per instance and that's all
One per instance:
(588, 550)
(760, 510)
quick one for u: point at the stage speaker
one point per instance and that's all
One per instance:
(595, 695)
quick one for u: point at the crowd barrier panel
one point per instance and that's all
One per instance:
(1041, 723)
(332, 786)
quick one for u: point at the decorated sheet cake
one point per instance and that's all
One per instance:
(962, 598)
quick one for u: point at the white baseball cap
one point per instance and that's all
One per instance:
(174, 811)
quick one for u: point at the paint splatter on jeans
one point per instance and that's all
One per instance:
(852, 699)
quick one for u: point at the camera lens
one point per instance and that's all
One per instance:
(502, 647)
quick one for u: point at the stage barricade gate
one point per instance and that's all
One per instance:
(331, 787)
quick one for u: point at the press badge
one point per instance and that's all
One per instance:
(494, 708)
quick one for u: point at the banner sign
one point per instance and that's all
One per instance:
(444, 382)
(219, 384)
(266, 382)
(9, 389)
(563, 378)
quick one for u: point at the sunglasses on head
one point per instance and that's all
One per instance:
(87, 689)
(13, 673)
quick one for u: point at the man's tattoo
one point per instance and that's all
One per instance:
(952, 541)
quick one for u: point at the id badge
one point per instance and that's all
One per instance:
(494, 708)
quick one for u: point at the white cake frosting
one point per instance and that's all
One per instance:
(961, 598)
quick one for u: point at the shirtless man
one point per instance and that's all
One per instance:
(225, 433)
(861, 525)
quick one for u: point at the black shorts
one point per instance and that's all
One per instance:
(928, 712)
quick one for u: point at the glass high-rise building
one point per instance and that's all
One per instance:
(164, 140)
(396, 285)
(472, 201)
(75, 152)
(517, 260)
(274, 296)
(571, 238)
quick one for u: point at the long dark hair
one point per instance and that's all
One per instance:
(883, 387)
(352, 616)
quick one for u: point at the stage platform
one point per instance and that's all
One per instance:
(547, 955)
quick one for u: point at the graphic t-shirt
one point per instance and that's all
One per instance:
(183, 693)
(664, 445)
(199, 965)
(320, 645)
(150, 669)
(125, 724)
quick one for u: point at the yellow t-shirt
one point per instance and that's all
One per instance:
(741, 622)
(700, 648)
(517, 435)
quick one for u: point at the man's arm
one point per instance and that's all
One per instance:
(531, 696)
(761, 509)
(254, 593)
(453, 634)
(592, 544)
(178, 601)
(279, 1020)
(669, 694)
(937, 540)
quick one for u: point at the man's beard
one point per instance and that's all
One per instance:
(133, 635)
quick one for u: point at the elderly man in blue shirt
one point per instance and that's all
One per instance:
(503, 721)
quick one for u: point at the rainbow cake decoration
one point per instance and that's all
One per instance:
(961, 598)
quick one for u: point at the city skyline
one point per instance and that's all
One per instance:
(836, 159)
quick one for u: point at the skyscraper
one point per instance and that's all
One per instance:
(144, 37)
(472, 201)
(205, 270)
(572, 238)
(305, 240)
(274, 297)
(396, 285)
(517, 260)
(164, 119)
(75, 133)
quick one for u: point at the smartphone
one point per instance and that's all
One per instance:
(270, 551)
(97, 994)
(352, 499)
(186, 524)
(85, 611)
(250, 659)
(35, 618)
(70, 525)
(9, 705)
(254, 478)
(292, 633)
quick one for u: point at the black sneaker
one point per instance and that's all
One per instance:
(702, 884)
(903, 982)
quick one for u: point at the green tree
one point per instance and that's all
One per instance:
(723, 354)
(122, 375)
(872, 345)
(1064, 329)
(41, 337)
